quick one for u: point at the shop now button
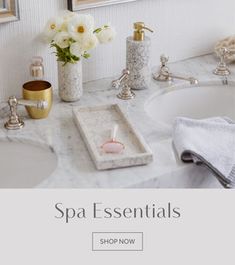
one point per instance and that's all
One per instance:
(117, 241)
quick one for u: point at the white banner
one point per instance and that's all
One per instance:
(58, 227)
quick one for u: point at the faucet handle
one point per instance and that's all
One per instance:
(117, 83)
(15, 122)
(222, 68)
(126, 92)
(39, 104)
(223, 51)
(163, 74)
(164, 59)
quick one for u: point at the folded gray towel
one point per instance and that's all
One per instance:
(209, 142)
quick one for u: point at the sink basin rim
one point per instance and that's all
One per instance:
(26, 173)
(162, 114)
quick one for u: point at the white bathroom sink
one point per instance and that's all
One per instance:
(25, 165)
(196, 102)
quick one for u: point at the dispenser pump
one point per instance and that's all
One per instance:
(138, 53)
(139, 33)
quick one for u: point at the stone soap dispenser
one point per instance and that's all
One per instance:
(138, 57)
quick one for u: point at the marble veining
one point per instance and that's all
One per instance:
(75, 168)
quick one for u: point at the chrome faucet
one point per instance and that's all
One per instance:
(126, 92)
(165, 75)
(15, 122)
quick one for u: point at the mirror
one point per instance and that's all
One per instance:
(75, 5)
(9, 11)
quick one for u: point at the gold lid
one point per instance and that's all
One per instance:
(139, 33)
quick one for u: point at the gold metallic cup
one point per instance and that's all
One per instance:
(38, 90)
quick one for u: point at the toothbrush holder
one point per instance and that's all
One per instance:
(38, 90)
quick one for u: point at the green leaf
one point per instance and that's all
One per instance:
(86, 55)
(64, 55)
(97, 30)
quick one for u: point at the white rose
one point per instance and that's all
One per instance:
(52, 27)
(62, 39)
(89, 42)
(67, 16)
(76, 49)
(80, 25)
(107, 34)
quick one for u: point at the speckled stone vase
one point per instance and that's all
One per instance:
(138, 63)
(70, 81)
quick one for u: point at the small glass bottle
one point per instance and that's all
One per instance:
(37, 68)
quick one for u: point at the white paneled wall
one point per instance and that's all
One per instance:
(184, 28)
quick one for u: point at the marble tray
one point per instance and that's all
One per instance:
(95, 123)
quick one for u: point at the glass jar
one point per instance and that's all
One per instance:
(37, 68)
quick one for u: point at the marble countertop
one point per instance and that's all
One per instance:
(75, 168)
